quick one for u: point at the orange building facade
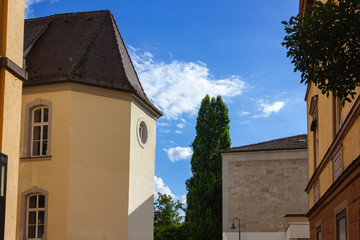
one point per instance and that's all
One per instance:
(334, 165)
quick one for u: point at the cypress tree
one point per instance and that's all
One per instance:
(204, 197)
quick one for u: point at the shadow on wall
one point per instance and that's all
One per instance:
(141, 221)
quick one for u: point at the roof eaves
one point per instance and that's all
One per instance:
(261, 150)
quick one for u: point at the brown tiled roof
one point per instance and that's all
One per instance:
(288, 143)
(84, 47)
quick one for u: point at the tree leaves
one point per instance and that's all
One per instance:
(324, 47)
(167, 220)
(204, 198)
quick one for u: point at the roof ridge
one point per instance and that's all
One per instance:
(265, 142)
(63, 14)
(72, 73)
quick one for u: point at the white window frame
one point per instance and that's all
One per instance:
(40, 124)
(27, 149)
(25, 196)
(37, 209)
(142, 132)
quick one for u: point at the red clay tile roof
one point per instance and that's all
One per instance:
(288, 143)
(84, 47)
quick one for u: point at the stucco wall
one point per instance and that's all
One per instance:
(95, 159)
(261, 187)
(11, 44)
(142, 165)
(51, 175)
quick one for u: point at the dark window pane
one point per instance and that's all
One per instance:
(31, 232)
(37, 115)
(342, 229)
(41, 215)
(41, 201)
(44, 148)
(36, 148)
(36, 135)
(32, 202)
(40, 231)
(32, 218)
(46, 115)
(45, 132)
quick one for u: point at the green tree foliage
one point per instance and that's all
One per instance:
(167, 220)
(204, 198)
(325, 46)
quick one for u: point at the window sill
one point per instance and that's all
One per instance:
(41, 158)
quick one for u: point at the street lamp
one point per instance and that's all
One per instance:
(233, 225)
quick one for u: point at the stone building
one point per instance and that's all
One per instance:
(263, 183)
(88, 132)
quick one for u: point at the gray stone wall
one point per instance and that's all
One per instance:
(262, 187)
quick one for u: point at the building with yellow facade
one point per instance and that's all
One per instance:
(334, 165)
(11, 78)
(88, 132)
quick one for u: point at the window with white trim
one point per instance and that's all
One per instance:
(37, 135)
(35, 216)
(39, 131)
(142, 132)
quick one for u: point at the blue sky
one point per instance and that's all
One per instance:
(184, 49)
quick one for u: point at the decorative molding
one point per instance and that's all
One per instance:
(349, 175)
(13, 68)
(350, 119)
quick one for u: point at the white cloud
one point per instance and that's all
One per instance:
(273, 108)
(178, 132)
(182, 199)
(268, 109)
(244, 113)
(181, 125)
(160, 187)
(178, 153)
(28, 6)
(178, 87)
(162, 124)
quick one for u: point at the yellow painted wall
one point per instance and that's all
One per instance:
(11, 44)
(142, 164)
(51, 175)
(311, 198)
(326, 178)
(351, 144)
(95, 159)
(99, 167)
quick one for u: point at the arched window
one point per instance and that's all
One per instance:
(37, 135)
(35, 215)
(39, 131)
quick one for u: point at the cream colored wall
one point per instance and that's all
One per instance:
(95, 158)
(11, 44)
(51, 175)
(142, 164)
(99, 165)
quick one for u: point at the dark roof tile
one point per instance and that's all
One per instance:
(84, 47)
(288, 143)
